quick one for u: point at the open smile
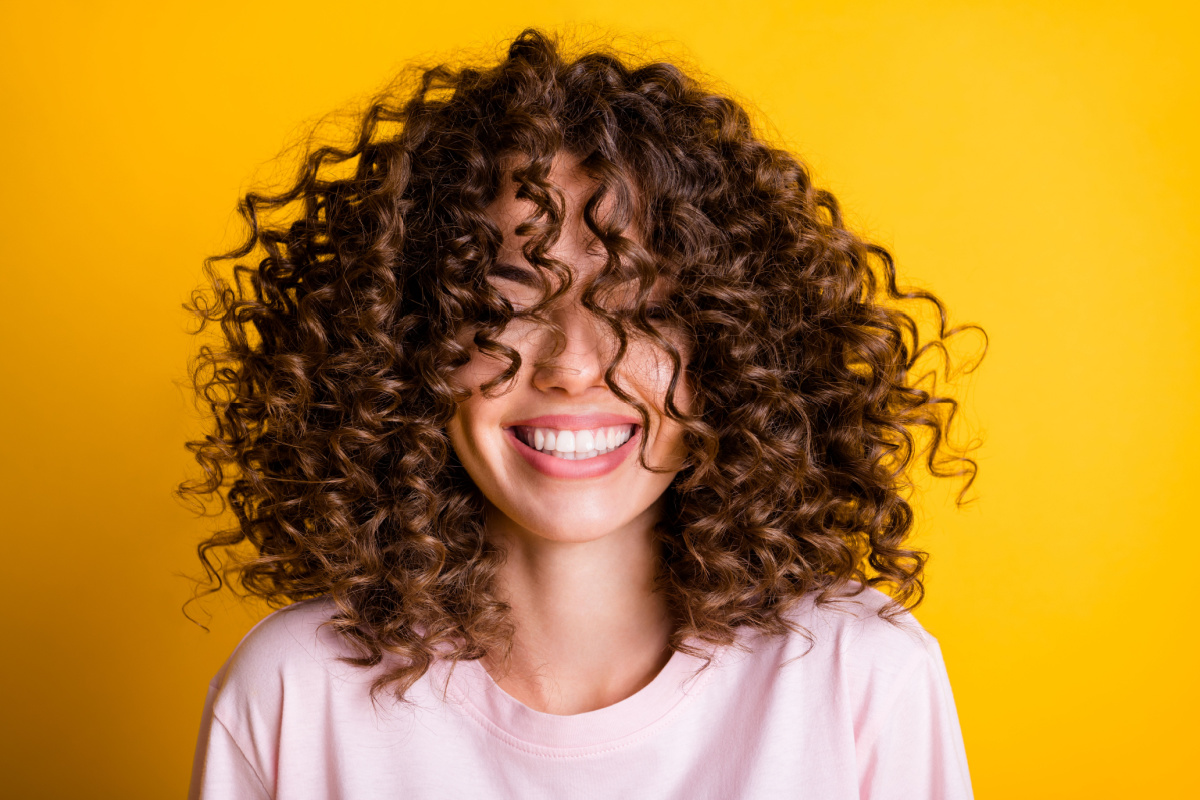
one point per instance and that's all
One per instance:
(574, 445)
(586, 453)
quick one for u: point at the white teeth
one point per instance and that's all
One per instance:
(576, 445)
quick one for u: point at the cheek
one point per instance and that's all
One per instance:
(468, 433)
(650, 369)
(483, 367)
(664, 368)
(468, 378)
(478, 413)
(458, 430)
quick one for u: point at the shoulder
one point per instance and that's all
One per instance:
(850, 630)
(290, 649)
(290, 637)
(843, 662)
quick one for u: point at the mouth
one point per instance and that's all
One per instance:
(557, 453)
(575, 445)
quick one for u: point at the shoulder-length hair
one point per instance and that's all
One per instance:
(332, 385)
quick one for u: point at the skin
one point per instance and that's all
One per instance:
(590, 630)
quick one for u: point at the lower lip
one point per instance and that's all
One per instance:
(562, 468)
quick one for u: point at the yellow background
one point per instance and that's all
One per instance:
(1033, 163)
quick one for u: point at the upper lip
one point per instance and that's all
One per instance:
(576, 422)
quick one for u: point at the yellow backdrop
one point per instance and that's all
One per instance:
(1034, 163)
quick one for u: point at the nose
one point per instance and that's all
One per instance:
(574, 362)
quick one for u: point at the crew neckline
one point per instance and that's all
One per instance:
(521, 726)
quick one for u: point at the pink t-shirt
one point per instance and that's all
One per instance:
(867, 713)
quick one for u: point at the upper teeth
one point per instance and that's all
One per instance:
(575, 444)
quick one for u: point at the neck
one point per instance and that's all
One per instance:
(590, 629)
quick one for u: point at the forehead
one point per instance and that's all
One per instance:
(570, 187)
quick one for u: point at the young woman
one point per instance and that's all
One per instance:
(565, 418)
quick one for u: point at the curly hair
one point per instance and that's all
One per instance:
(332, 384)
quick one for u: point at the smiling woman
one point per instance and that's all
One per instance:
(574, 435)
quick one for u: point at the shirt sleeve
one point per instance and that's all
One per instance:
(220, 770)
(912, 748)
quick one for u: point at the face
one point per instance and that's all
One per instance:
(556, 455)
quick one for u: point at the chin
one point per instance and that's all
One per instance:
(574, 534)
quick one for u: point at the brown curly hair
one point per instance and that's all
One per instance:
(333, 383)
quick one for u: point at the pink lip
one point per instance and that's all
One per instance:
(562, 468)
(575, 422)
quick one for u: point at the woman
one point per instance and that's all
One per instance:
(563, 416)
